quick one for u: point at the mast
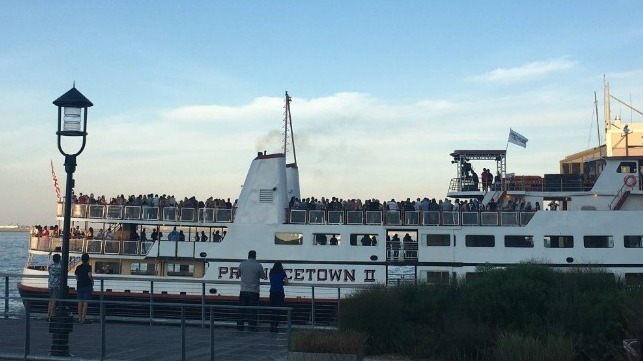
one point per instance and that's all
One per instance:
(606, 104)
(598, 129)
(288, 132)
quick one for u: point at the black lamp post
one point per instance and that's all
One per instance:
(72, 123)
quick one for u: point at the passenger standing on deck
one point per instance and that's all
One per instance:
(173, 236)
(278, 279)
(250, 272)
(84, 286)
(54, 285)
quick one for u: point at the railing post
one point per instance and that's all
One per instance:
(6, 296)
(339, 296)
(182, 333)
(312, 305)
(102, 327)
(211, 334)
(27, 349)
(151, 302)
(202, 304)
(289, 328)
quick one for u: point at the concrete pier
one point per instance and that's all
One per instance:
(139, 341)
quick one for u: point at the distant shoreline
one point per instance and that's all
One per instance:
(14, 228)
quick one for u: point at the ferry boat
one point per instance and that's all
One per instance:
(587, 215)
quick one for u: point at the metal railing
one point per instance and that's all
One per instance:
(111, 212)
(557, 183)
(182, 336)
(411, 218)
(313, 304)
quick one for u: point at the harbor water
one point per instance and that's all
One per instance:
(13, 255)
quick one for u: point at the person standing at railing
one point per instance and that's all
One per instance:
(251, 272)
(173, 235)
(84, 286)
(55, 273)
(278, 279)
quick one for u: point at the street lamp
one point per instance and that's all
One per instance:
(72, 123)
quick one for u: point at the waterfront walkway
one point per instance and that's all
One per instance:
(131, 341)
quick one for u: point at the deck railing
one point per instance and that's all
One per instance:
(113, 212)
(410, 218)
(212, 216)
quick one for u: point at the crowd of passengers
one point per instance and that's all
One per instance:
(424, 205)
(77, 233)
(326, 204)
(154, 200)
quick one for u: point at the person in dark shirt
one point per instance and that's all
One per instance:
(366, 240)
(84, 286)
(333, 240)
(278, 279)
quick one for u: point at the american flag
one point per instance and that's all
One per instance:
(55, 179)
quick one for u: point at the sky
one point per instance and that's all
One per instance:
(186, 92)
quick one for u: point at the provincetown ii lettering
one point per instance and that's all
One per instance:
(308, 274)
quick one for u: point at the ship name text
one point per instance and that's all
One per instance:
(308, 274)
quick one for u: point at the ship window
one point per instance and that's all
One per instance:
(634, 279)
(289, 238)
(178, 269)
(598, 241)
(143, 269)
(437, 277)
(626, 167)
(633, 241)
(323, 239)
(107, 267)
(478, 240)
(438, 240)
(519, 241)
(363, 239)
(559, 241)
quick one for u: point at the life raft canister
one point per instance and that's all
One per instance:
(629, 180)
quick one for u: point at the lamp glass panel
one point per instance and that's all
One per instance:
(71, 119)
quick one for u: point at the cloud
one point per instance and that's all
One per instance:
(527, 71)
(207, 113)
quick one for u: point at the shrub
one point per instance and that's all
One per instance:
(377, 312)
(529, 302)
(329, 341)
(513, 346)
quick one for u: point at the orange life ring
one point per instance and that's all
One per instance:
(629, 180)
